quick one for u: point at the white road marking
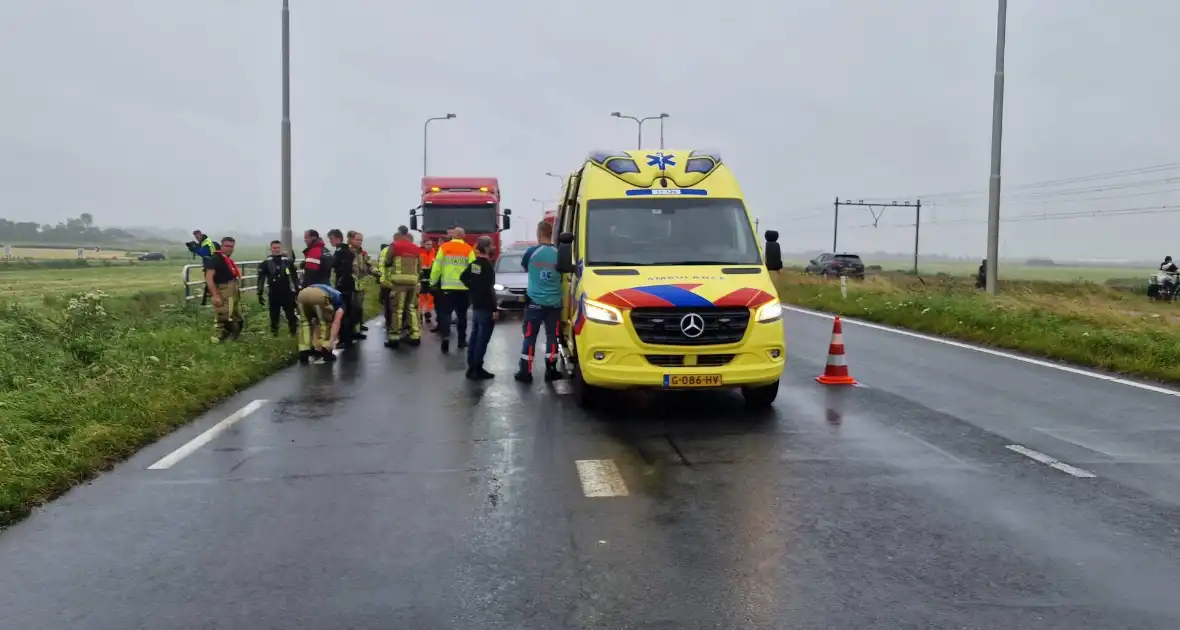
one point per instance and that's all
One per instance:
(1049, 461)
(996, 353)
(601, 478)
(192, 445)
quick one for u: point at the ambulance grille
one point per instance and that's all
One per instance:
(677, 360)
(662, 326)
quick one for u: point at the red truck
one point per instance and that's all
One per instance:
(472, 203)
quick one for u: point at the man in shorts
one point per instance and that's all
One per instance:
(322, 310)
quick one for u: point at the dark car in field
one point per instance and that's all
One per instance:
(837, 265)
(511, 282)
(152, 256)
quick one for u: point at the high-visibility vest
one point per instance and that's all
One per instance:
(382, 267)
(453, 257)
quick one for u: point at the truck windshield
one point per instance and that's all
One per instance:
(474, 219)
(669, 231)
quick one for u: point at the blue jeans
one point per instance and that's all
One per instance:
(481, 333)
(536, 316)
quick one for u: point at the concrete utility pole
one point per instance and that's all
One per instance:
(426, 128)
(993, 195)
(639, 122)
(285, 229)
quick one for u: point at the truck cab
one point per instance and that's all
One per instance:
(665, 281)
(471, 203)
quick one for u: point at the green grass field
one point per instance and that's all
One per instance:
(86, 379)
(1082, 323)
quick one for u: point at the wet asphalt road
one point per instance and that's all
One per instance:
(388, 492)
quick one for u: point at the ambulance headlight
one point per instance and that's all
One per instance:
(602, 313)
(769, 312)
(498, 286)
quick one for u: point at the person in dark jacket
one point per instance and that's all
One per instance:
(317, 260)
(343, 261)
(480, 279)
(279, 283)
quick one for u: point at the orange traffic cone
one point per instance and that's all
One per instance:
(836, 372)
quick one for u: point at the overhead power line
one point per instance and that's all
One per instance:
(1057, 216)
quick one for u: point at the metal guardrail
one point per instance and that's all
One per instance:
(194, 289)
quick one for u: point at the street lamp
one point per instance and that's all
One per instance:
(425, 128)
(640, 121)
(285, 150)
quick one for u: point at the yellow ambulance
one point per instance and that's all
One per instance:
(665, 281)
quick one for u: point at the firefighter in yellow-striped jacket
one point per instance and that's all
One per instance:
(400, 267)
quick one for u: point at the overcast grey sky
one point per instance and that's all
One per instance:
(163, 112)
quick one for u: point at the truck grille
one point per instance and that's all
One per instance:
(662, 326)
(677, 360)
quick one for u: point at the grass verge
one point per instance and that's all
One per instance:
(1081, 323)
(88, 379)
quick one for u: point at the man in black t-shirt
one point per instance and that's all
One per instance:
(223, 279)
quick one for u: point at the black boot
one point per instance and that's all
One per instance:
(445, 346)
(364, 328)
(327, 355)
(462, 341)
(304, 357)
(391, 344)
(235, 330)
(483, 374)
(523, 373)
(551, 372)
(413, 343)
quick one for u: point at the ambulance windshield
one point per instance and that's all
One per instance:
(669, 231)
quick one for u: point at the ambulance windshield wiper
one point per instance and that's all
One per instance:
(616, 263)
(700, 262)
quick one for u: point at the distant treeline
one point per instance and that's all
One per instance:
(78, 231)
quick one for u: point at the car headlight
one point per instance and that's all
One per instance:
(498, 286)
(769, 312)
(602, 313)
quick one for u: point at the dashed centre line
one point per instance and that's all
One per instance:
(1049, 461)
(601, 478)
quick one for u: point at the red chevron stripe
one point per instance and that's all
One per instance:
(744, 297)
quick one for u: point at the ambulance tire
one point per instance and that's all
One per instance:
(585, 395)
(760, 397)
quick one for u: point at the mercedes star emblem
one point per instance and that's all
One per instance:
(692, 325)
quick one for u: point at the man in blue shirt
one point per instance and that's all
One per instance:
(544, 307)
(321, 310)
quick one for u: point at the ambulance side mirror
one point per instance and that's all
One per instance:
(507, 219)
(413, 221)
(565, 252)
